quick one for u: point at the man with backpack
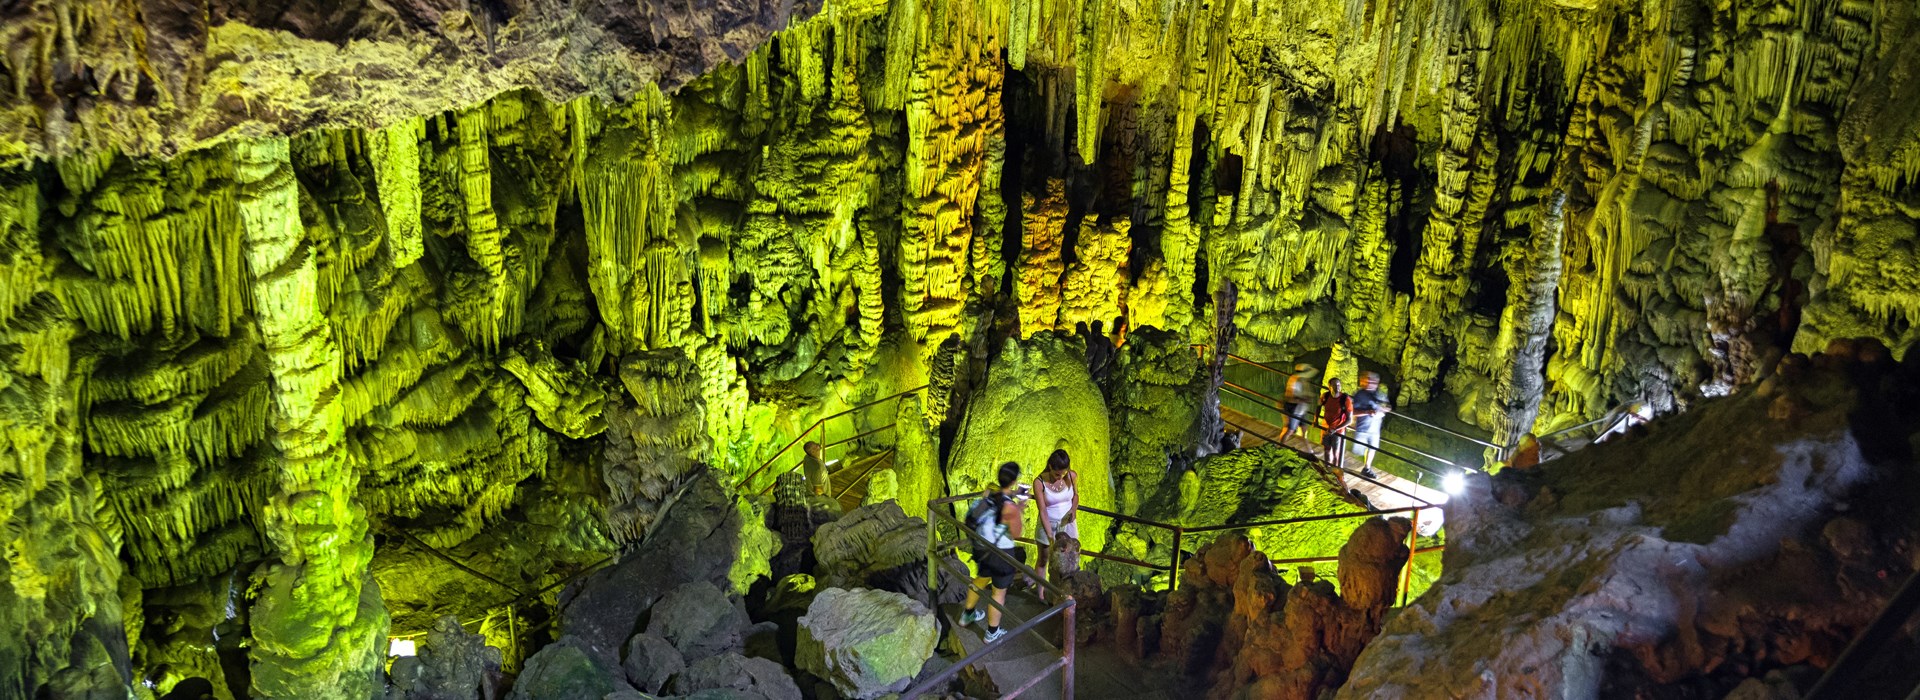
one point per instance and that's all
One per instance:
(995, 516)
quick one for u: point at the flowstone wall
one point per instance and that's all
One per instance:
(277, 284)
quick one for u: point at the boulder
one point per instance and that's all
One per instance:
(651, 661)
(700, 620)
(453, 664)
(1722, 529)
(731, 675)
(866, 642)
(564, 671)
(880, 546)
(698, 538)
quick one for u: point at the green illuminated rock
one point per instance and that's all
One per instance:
(866, 642)
(1038, 398)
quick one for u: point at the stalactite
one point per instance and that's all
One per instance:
(953, 103)
(395, 152)
(638, 264)
(1043, 234)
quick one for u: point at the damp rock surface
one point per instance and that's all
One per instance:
(699, 620)
(564, 671)
(735, 676)
(696, 542)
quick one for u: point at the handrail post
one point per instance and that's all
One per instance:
(1413, 545)
(1173, 570)
(933, 559)
(1067, 648)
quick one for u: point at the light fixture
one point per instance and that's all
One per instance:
(1453, 483)
(399, 647)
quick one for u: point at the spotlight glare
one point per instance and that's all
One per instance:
(400, 647)
(1453, 483)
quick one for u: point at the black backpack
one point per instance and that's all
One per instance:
(984, 511)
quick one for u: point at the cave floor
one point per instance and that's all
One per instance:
(1099, 669)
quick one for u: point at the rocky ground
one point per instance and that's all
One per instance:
(1756, 534)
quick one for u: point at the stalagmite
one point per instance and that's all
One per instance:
(318, 627)
(1525, 326)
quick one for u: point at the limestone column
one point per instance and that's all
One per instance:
(1527, 325)
(318, 626)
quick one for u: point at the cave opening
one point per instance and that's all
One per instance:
(1396, 153)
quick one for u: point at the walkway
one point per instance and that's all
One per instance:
(1099, 670)
(1385, 491)
(850, 482)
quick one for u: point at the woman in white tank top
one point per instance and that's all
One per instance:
(1057, 491)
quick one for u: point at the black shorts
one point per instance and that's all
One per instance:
(989, 566)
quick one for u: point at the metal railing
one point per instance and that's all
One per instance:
(939, 512)
(1606, 423)
(1863, 669)
(817, 428)
(1176, 553)
(1277, 405)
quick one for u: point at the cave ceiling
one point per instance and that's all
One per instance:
(274, 273)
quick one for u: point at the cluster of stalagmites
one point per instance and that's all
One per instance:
(1237, 624)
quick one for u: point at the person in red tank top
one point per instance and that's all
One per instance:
(1336, 414)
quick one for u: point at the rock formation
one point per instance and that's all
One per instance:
(295, 295)
(1236, 624)
(1758, 532)
(867, 643)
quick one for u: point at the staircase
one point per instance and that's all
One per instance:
(850, 481)
(1099, 670)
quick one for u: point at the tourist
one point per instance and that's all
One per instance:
(1057, 492)
(814, 465)
(1336, 414)
(1299, 396)
(1370, 409)
(1100, 352)
(819, 482)
(1000, 525)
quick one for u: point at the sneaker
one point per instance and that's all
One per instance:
(994, 635)
(969, 617)
(1368, 472)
